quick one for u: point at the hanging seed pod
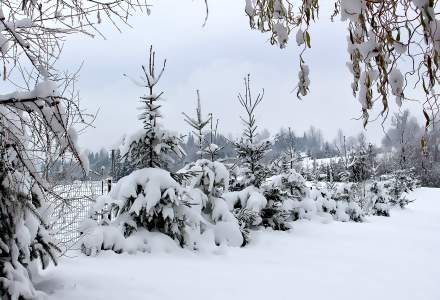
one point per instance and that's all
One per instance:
(424, 145)
(99, 17)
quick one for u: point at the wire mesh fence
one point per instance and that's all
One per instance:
(71, 206)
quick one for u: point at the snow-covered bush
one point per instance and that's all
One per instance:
(147, 199)
(347, 198)
(288, 200)
(249, 198)
(348, 211)
(379, 199)
(399, 184)
(212, 179)
(247, 206)
(322, 197)
(362, 163)
(252, 171)
(275, 214)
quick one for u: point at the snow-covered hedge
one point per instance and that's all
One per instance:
(150, 210)
(353, 201)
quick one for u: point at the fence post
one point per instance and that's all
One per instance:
(113, 163)
(109, 185)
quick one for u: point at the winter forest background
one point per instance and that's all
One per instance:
(211, 145)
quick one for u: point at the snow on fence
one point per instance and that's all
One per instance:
(71, 206)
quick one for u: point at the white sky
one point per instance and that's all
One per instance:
(215, 59)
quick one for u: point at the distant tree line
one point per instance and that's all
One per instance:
(401, 148)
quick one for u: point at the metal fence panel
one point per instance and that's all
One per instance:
(72, 207)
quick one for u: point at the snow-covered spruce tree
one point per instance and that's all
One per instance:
(286, 192)
(149, 199)
(376, 196)
(212, 150)
(347, 200)
(153, 146)
(247, 199)
(289, 158)
(205, 139)
(246, 205)
(337, 200)
(251, 150)
(361, 165)
(399, 184)
(198, 125)
(362, 170)
(322, 195)
(380, 199)
(208, 181)
(287, 200)
(145, 211)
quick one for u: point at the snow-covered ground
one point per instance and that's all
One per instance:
(384, 258)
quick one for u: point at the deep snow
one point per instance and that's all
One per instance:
(384, 258)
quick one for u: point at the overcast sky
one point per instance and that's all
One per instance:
(214, 59)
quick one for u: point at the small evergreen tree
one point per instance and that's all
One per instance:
(209, 181)
(155, 146)
(289, 157)
(198, 124)
(213, 150)
(150, 198)
(250, 151)
(401, 183)
(380, 200)
(286, 200)
(146, 201)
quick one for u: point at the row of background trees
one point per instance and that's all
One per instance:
(400, 148)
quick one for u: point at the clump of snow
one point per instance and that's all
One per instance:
(303, 80)
(396, 80)
(300, 37)
(351, 9)
(365, 93)
(250, 8)
(249, 198)
(208, 174)
(282, 34)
